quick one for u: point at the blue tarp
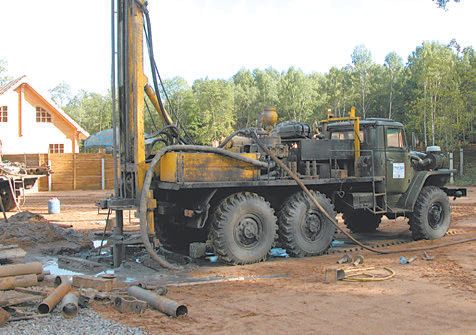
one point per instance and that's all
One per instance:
(102, 139)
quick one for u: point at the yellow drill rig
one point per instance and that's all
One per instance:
(273, 184)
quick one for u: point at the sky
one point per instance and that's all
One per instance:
(69, 40)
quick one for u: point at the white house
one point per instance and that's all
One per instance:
(32, 123)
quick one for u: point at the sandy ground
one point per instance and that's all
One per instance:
(426, 297)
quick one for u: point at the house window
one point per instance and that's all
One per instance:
(4, 114)
(56, 148)
(42, 115)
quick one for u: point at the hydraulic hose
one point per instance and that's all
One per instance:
(245, 131)
(230, 137)
(333, 220)
(148, 180)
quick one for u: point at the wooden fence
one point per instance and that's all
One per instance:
(71, 171)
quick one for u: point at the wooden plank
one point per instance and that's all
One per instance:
(18, 298)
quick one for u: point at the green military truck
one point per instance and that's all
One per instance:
(361, 168)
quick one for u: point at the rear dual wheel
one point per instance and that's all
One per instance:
(303, 229)
(243, 228)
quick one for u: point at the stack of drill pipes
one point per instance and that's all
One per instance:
(20, 275)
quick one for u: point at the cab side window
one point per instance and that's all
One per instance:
(395, 138)
(346, 135)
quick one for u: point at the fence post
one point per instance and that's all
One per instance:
(103, 175)
(451, 168)
(49, 176)
(74, 171)
(461, 161)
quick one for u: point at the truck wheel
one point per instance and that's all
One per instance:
(361, 221)
(7, 197)
(303, 229)
(243, 228)
(431, 216)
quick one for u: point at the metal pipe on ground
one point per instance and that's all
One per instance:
(9, 283)
(4, 316)
(163, 304)
(48, 280)
(43, 275)
(69, 305)
(54, 298)
(65, 279)
(21, 269)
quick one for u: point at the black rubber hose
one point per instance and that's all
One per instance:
(245, 131)
(333, 219)
(230, 137)
(143, 201)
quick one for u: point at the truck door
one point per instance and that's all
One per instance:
(397, 160)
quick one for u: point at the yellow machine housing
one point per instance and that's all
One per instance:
(205, 167)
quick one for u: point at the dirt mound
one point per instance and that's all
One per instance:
(33, 231)
(27, 217)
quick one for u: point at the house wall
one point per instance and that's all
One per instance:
(36, 136)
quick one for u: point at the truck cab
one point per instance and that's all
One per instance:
(406, 183)
(383, 152)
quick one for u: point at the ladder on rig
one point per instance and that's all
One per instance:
(379, 201)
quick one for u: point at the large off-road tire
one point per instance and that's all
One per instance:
(7, 197)
(431, 216)
(243, 228)
(361, 221)
(303, 229)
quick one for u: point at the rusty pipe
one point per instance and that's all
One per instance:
(4, 315)
(9, 283)
(21, 269)
(163, 304)
(43, 275)
(69, 305)
(48, 280)
(63, 279)
(54, 298)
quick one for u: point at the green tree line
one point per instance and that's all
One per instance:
(433, 93)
